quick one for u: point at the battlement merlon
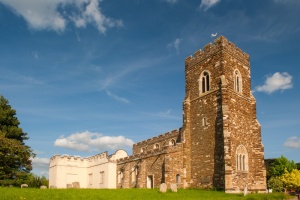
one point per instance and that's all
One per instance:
(220, 43)
(78, 158)
(158, 138)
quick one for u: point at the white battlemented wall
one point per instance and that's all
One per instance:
(97, 171)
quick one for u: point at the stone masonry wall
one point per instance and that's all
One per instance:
(215, 124)
(161, 164)
(230, 120)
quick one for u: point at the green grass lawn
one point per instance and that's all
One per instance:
(144, 194)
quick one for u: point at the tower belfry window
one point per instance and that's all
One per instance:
(205, 82)
(237, 81)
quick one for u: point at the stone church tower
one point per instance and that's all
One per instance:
(219, 145)
(221, 135)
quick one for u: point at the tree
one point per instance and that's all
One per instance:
(15, 156)
(279, 166)
(291, 179)
(298, 165)
(35, 181)
(276, 184)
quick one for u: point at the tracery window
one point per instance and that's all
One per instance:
(237, 81)
(241, 158)
(204, 82)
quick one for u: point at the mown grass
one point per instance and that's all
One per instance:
(128, 194)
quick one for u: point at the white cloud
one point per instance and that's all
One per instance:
(292, 142)
(171, 1)
(175, 44)
(88, 142)
(41, 164)
(54, 15)
(121, 99)
(278, 81)
(91, 14)
(206, 4)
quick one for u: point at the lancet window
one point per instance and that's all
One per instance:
(241, 159)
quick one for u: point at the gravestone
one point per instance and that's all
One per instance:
(43, 187)
(163, 188)
(76, 185)
(69, 186)
(173, 187)
(24, 186)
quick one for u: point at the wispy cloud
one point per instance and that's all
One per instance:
(35, 55)
(167, 114)
(91, 14)
(123, 72)
(292, 142)
(278, 81)
(207, 4)
(41, 164)
(170, 1)
(175, 44)
(120, 99)
(88, 142)
(53, 15)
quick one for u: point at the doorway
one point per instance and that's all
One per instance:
(150, 181)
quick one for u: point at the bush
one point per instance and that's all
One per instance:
(276, 184)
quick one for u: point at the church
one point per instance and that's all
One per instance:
(218, 146)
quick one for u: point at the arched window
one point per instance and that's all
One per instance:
(178, 179)
(237, 81)
(120, 176)
(156, 146)
(241, 158)
(133, 174)
(143, 150)
(204, 82)
(172, 142)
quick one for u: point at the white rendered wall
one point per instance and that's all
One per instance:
(88, 172)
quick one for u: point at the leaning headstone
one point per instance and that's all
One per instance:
(43, 187)
(69, 185)
(76, 185)
(173, 187)
(53, 186)
(163, 188)
(24, 186)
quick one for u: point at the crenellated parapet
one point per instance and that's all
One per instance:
(220, 44)
(79, 161)
(155, 143)
(150, 153)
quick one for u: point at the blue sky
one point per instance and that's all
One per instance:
(87, 76)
